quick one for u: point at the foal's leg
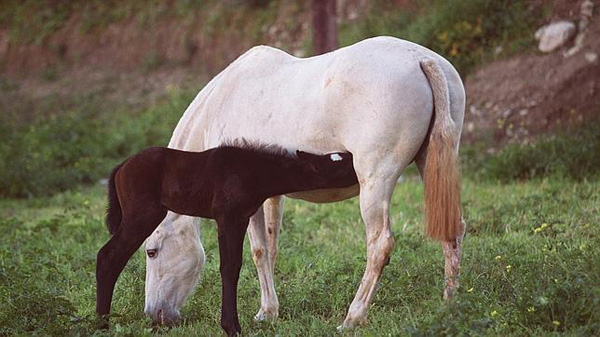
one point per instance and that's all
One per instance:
(111, 260)
(231, 244)
(452, 250)
(257, 233)
(113, 256)
(376, 188)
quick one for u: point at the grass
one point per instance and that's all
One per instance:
(531, 267)
(531, 264)
(571, 153)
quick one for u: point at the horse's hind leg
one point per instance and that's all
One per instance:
(113, 256)
(452, 250)
(376, 188)
(452, 256)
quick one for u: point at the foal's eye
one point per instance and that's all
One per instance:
(151, 253)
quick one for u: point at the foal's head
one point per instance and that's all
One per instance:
(333, 170)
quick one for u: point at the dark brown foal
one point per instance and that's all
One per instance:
(228, 184)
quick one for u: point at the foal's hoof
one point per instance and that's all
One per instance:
(233, 331)
(102, 323)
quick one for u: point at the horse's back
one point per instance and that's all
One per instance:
(348, 99)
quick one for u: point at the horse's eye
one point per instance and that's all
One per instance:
(151, 253)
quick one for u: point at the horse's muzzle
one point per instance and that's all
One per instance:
(162, 316)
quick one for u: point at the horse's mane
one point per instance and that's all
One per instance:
(258, 147)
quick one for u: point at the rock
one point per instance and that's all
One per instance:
(587, 9)
(498, 50)
(555, 35)
(591, 57)
(299, 53)
(470, 127)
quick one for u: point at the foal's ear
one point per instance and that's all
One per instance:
(303, 155)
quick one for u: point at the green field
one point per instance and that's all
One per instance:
(531, 259)
(531, 267)
(531, 262)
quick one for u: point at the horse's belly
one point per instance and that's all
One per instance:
(326, 195)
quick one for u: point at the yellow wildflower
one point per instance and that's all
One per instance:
(454, 50)
(508, 268)
(556, 323)
(530, 309)
(494, 313)
(498, 257)
(470, 290)
(541, 228)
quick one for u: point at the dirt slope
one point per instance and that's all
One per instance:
(524, 95)
(128, 63)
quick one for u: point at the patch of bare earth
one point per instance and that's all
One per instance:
(525, 95)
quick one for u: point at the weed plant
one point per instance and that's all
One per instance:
(80, 146)
(571, 154)
(466, 32)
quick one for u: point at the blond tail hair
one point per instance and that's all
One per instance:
(442, 169)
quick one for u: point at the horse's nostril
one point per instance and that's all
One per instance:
(161, 316)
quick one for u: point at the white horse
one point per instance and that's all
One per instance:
(387, 101)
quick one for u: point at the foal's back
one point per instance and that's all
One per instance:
(237, 177)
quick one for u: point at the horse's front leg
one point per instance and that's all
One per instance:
(231, 242)
(263, 233)
(273, 217)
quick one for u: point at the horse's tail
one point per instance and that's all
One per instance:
(442, 170)
(113, 213)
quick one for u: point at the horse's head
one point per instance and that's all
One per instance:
(174, 261)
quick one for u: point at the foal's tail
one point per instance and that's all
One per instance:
(113, 213)
(442, 171)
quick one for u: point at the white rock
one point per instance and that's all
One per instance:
(587, 8)
(591, 57)
(470, 127)
(555, 35)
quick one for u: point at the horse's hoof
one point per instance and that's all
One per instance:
(264, 316)
(260, 317)
(345, 326)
